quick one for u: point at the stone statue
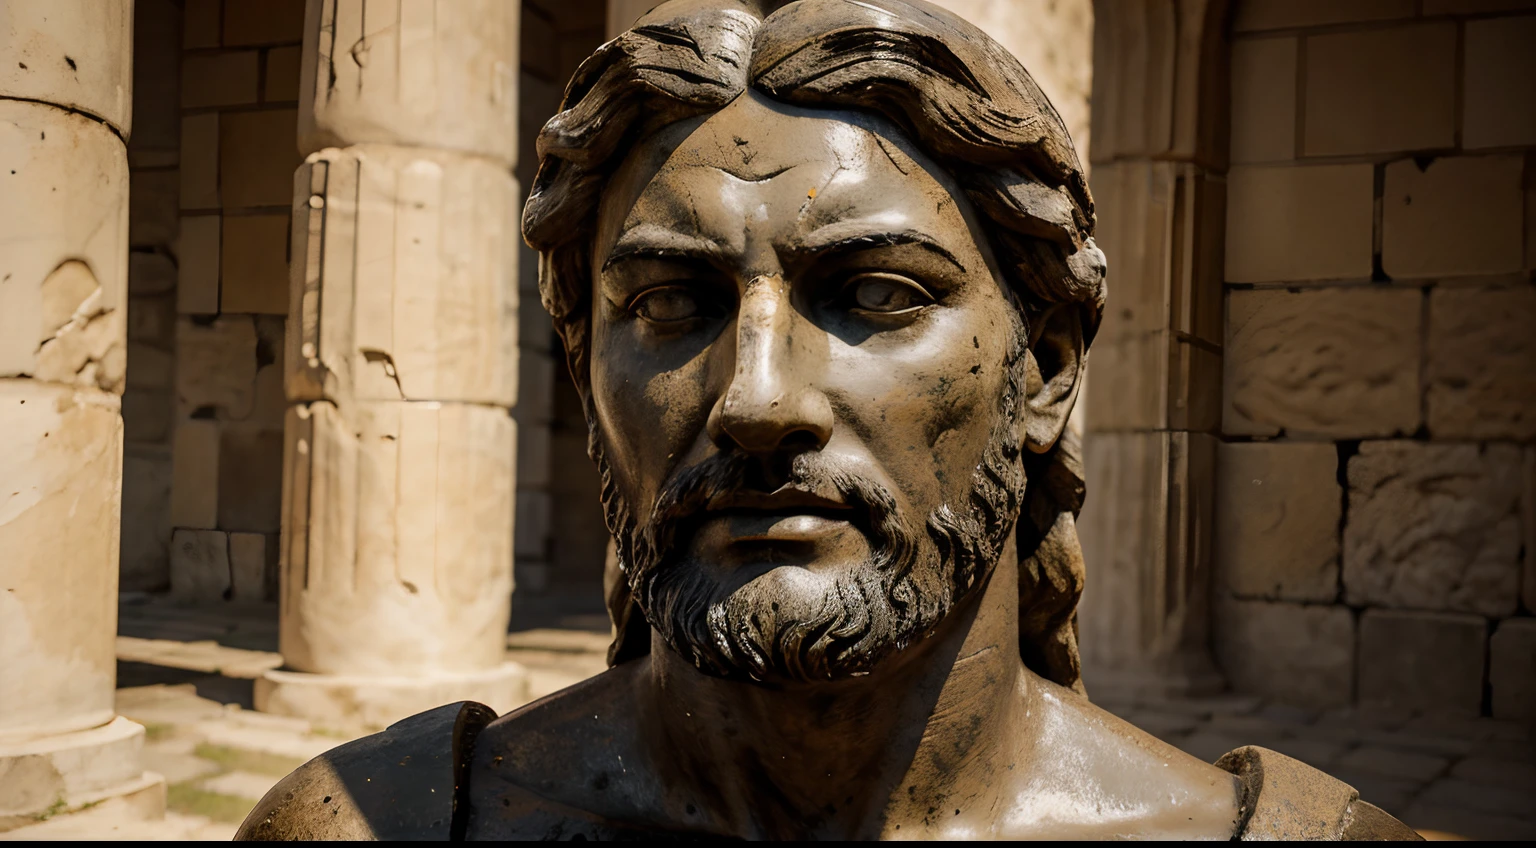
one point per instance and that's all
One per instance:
(826, 277)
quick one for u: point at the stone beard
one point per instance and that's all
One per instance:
(814, 626)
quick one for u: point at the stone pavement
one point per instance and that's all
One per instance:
(186, 675)
(1472, 778)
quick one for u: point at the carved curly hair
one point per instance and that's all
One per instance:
(962, 99)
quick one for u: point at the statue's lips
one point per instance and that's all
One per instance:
(787, 515)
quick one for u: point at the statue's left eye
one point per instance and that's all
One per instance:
(886, 294)
(663, 305)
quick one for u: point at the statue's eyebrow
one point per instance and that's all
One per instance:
(653, 241)
(854, 236)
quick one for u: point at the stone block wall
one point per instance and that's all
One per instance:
(149, 396)
(1377, 463)
(560, 536)
(222, 330)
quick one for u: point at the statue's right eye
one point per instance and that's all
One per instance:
(887, 294)
(666, 304)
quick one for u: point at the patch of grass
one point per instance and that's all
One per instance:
(157, 730)
(333, 733)
(232, 759)
(53, 809)
(188, 799)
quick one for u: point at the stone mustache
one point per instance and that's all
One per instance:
(825, 275)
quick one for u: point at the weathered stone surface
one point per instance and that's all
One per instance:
(61, 473)
(147, 415)
(1512, 669)
(1137, 198)
(1380, 90)
(66, 772)
(1434, 527)
(154, 208)
(248, 566)
(152, 368)
(152, 323)
(1283, 14)
(76, 53)
(1302, 655)
(1500, 83)
(83, 340)
(375, 702)
(217, 365)
(1149, 612)
(250, 479)
(220, 79)
(195, 481)
(533, 525)
(146, 534)
(64, 267)
(433, 79)
(1528, 510)
(1472, 7)
(263, 21)
(1277, 520)
(1154, 382)
(1263, 99)
(156, 84)
(1422, 661)
(1457, 216)
(1336, 362)
(533, 455)
(420, 299)
(254, 264)
(1289, 224)
(197, 287)
(1389, 762)
(199, 166)
(150, 274)
(282, 82)
(257, 156)
(200, 23)
(1481, 351)
(398, 538)
(200, 565)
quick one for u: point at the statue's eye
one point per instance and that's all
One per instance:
(886, 294)
(666, 304)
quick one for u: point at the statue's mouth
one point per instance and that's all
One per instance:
(789, 514)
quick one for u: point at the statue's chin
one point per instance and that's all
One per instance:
(796, 624)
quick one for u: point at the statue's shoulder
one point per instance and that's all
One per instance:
(1164, 793)
(571, 765)
(402, 783)
(1287, 799)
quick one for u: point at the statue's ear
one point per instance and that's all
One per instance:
(1054, 370)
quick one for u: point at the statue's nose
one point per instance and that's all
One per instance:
(772, 400)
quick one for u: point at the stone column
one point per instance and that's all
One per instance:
(401, 365)
(65, 87)
(1154, 395)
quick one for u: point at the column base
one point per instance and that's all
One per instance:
(41, 778)
(357, 702)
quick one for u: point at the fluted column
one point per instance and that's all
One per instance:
(65, 100)
(398, 478)
(1154, 393)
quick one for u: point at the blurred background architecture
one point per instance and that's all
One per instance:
(274, 376)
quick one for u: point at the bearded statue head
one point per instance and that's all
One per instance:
(825, 277)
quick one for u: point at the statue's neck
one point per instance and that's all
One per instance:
(856, 758)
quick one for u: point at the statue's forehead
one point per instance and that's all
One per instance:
(755, 140)
(757, 161)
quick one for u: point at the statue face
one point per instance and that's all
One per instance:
(800, 347)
